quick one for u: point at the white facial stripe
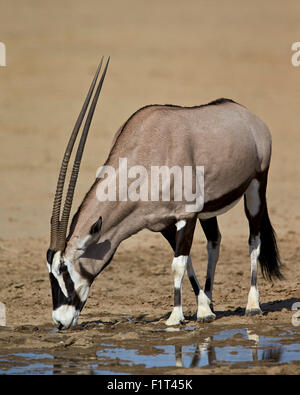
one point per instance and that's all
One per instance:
(81, 284)
(55, 271)
(180, 224)
(82, 244)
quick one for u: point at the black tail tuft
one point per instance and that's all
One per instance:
(269, 258)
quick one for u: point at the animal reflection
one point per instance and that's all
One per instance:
(216, 350)
(208, 353)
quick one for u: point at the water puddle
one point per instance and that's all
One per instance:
(164, 352)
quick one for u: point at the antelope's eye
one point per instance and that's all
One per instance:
(62, 268)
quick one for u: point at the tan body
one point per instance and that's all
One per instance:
(226, 139)
(233, 147)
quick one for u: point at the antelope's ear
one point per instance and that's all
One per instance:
(92, 236)
(96, 228)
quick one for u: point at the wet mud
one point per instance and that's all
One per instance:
(139, 346)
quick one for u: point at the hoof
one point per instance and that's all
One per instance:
(250, 313)
(174, 321)
(208, 318)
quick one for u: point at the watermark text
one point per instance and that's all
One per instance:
(157, 183)
(2, 314)
(296, 55)
(296, 316)
(2, 54)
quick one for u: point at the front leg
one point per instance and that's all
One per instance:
(181, 244)
(179, 266)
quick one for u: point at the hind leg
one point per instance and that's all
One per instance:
(213, 236)
(204, 312)
(253, 305)
(254, 206)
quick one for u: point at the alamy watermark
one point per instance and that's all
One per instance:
(296, 316)
(296, 55)
(157, 183)
(2, 314)
(2, 54)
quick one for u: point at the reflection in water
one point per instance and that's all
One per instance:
(231, 347)
(69, 366)
(209, 353)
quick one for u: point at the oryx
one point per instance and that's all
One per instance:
(234, 148)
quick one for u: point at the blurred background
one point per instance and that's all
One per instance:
(179, 52)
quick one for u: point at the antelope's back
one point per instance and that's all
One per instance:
(230, 142)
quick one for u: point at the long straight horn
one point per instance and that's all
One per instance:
(55, 218)
(73, 179)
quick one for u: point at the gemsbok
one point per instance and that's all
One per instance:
(233, 149)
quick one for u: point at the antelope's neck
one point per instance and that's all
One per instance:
(120, 220)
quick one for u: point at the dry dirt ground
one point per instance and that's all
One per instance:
(185, 53)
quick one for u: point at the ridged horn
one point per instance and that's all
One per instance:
(75, 171)
(59, 227)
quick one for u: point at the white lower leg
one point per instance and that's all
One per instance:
(253, 296)
(179, 266)
(253, 300)
(204, 312)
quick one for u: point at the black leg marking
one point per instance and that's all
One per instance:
(211, 229)
(184, 238)
(181, 242)
(207, 287)
(213, 237)
(177, 297)
(269, 257)
(170, 234)
(255, 207)
(195, 284)
(253, 278)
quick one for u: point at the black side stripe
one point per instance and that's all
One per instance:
(50, 255)
(59, 298)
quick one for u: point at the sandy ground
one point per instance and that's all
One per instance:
(184, 53)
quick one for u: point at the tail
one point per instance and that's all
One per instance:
(269, 258)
